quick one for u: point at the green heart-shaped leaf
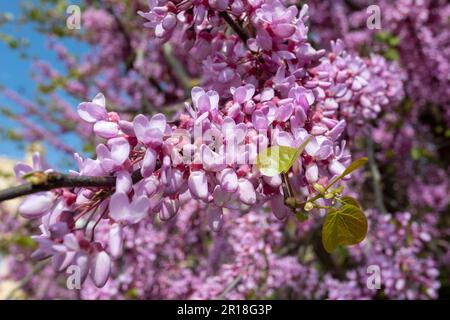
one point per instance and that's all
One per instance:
(346, 226)
(351, 201)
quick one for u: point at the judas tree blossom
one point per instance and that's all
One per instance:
(363, 87)
(189, 213)
(212, 177)
(210, 153)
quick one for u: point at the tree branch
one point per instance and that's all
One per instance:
(56, 180)
(376, 176)
(230, 287)
(236, 27)
(353, 5)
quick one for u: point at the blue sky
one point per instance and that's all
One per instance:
(15, 73)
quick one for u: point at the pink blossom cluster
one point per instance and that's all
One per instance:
(422, 30)
(215, 167)
(364, 88)
(278, 47)
(279, 56)
(250, 258)
(184, 267)
(223, 179)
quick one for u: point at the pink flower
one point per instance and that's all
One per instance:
(100, 268)
(198, 185)
(106, 129)
(122, 210)
(151, 132)
(169, 209)
(204, 101)
(36, 205)
(115, 240)
(21, 169)
(93, 111)
(278, 207)
(246, 191)
(319, 148)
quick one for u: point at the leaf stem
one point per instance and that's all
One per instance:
(285, 179)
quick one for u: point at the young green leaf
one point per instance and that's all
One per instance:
(346, 226)
(35, 177)
(278, 159)
(354, 165)
(274, 160)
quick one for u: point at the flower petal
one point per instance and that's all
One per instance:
(198, 185)
(246, 192)
(82, 261)
(120, 149)
(123, 181)
(278, 207)
(228, 180)
(138, 209)
(312, 173)
(158, 121)
(140, 124)
(149, 163)
(169, 209)
(220, 196)
(115, 240)
(91, 112)
(106, 129)
(119, 207)
(100, 269)
(36, 205)
(99, 99)
(196, 93)
(284, 30)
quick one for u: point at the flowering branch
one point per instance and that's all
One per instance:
(56, 180)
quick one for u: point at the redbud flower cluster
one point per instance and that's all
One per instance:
(262, 86)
